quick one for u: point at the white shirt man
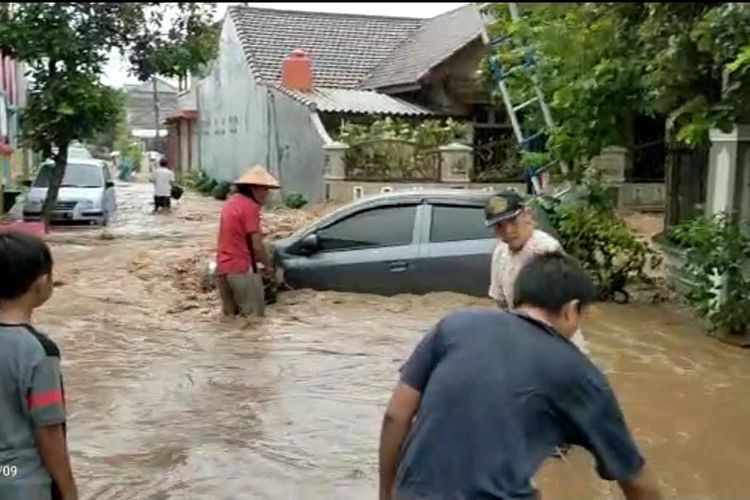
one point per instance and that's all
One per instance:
(163, 180)
(518, 242)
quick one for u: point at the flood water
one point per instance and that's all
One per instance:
(168, 402)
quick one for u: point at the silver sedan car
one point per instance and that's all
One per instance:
(404, 242)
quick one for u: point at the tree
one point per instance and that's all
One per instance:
(601, 63)
(105, 139)
(66, 46)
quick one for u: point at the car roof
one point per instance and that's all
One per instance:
(475, 197)
(91, 162)
(430, 194)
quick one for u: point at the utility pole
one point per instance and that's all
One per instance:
(157, 123)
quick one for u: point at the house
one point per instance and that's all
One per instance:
(13, 159)
(182, 143)
(284, 81)
(141, 116)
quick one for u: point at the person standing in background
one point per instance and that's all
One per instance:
(163, 179)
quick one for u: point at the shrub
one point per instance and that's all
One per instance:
(717, 249)
(295, 201)
(193, 178)
(221, 190)
(605, 246)
(590, 230)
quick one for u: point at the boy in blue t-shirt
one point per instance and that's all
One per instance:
(34, 459)
(487, 395)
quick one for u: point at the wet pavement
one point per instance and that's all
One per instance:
(168, 402)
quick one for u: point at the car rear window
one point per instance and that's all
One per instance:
(76, 175)
(380, 227)
(458, 223)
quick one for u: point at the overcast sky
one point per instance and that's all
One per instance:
(116, 71)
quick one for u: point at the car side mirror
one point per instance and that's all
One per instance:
(26, 183)
(309, 244)
(110, 184)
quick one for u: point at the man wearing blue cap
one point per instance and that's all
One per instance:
(520, 241)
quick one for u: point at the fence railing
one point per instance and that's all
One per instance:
(392, 159)
(497, 160)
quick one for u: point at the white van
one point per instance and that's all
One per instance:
(87, 193)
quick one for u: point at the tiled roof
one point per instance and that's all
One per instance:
(355, 102)
(438, 39)
(344, 48)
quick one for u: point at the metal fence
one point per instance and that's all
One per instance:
(392, 160)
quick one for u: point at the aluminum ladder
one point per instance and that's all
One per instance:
(500, 75)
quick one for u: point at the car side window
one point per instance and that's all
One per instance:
(107, 176)
(379, 227)
(458, 223)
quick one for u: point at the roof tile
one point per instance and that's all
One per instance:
(344, 48)
(438, 39)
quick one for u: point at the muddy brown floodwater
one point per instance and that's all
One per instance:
(167, 402)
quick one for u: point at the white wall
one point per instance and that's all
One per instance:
(231, 113)
(242, 123)
(301, 157)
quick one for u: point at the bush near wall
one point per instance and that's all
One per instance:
(717, 250)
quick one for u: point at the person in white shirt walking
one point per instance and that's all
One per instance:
(513, 223)
(163, 180)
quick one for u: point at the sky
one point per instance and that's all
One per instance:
(116, 71)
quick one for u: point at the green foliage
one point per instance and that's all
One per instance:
(591, 231)
(193, 178)
(295, 201)
(221, 190)
(107, 137)
(604, 245)
(534, 159)
(601, 63)
(716, 249)
(187, 45)
(427, 134)
(204, 184)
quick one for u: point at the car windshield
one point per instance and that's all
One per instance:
(76, 175)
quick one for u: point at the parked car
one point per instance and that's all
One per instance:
(404, 242)
(87, 193)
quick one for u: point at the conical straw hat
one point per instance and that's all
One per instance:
(258, 176)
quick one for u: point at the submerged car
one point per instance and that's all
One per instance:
(404, 242)
(87, 193)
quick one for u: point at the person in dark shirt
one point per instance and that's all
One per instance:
(488, 395)
(34, 458)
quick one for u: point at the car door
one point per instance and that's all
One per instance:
(456, 249)
(370, 251)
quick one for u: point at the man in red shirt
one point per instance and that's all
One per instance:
(240, 246)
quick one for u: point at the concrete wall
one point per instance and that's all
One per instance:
(343, 191)
(243, 123)
(729, 173)
(651, 196)
(233, 127)
(631, 196)
(296, 148)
